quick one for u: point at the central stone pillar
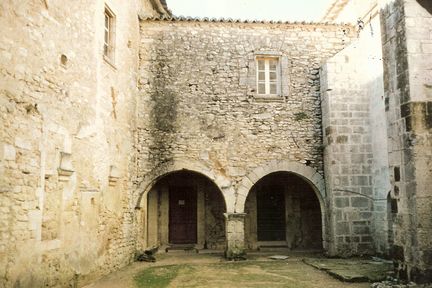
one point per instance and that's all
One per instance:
(235, 237)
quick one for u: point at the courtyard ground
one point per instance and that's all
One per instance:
(188, 269)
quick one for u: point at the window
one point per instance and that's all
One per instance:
(109, 34)
(267, 75)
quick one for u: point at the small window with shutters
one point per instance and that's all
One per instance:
(109, 35)
(268, 76)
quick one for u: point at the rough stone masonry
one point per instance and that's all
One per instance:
(92, 147)
(199, 102)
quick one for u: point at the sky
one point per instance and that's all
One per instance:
(286, 10)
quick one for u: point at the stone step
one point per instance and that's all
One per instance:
(181, 249)
(274, 248)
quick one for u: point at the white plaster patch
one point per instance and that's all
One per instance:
(8, 152)
(22, 143)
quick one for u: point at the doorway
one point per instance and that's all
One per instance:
(283, 210)
(182, 215)
(185, 209)
(271, 213)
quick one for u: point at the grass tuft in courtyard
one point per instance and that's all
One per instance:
(237, 274)
(159, 277)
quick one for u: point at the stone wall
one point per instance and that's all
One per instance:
(198, 100)
(66, 141)
(354, 133)
(407, 48)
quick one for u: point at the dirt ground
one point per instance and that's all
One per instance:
(187, 269)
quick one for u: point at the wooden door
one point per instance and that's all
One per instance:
(182, 215)
(271, 214)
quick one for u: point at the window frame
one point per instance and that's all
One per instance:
(109, 35)
(267, 71)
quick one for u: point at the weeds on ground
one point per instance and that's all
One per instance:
(157, 277)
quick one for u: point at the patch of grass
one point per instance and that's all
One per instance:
(235, 274)
(288, 274)
(157, 277)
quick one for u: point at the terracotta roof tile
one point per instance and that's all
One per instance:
(229, 20)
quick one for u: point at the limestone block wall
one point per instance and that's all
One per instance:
(356, 166)
(382, 230)
(198, 100)
(406, 38)
(66, 141)
(418, 25)
(235, 235)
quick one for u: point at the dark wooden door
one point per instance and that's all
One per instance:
(271, 214)
(182, 215)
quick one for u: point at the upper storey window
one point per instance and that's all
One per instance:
(268, 75)
(109, 35)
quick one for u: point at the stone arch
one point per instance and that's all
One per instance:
(307, 173)
(426, 4)
(221, 181)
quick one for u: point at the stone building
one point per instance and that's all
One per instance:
(377, 131)
(201, 110)
(125, 127)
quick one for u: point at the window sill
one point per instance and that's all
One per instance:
(110, 62)
(269, 98)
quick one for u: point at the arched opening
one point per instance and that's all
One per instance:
(185, 209)
(426, 4)
(283, 210)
